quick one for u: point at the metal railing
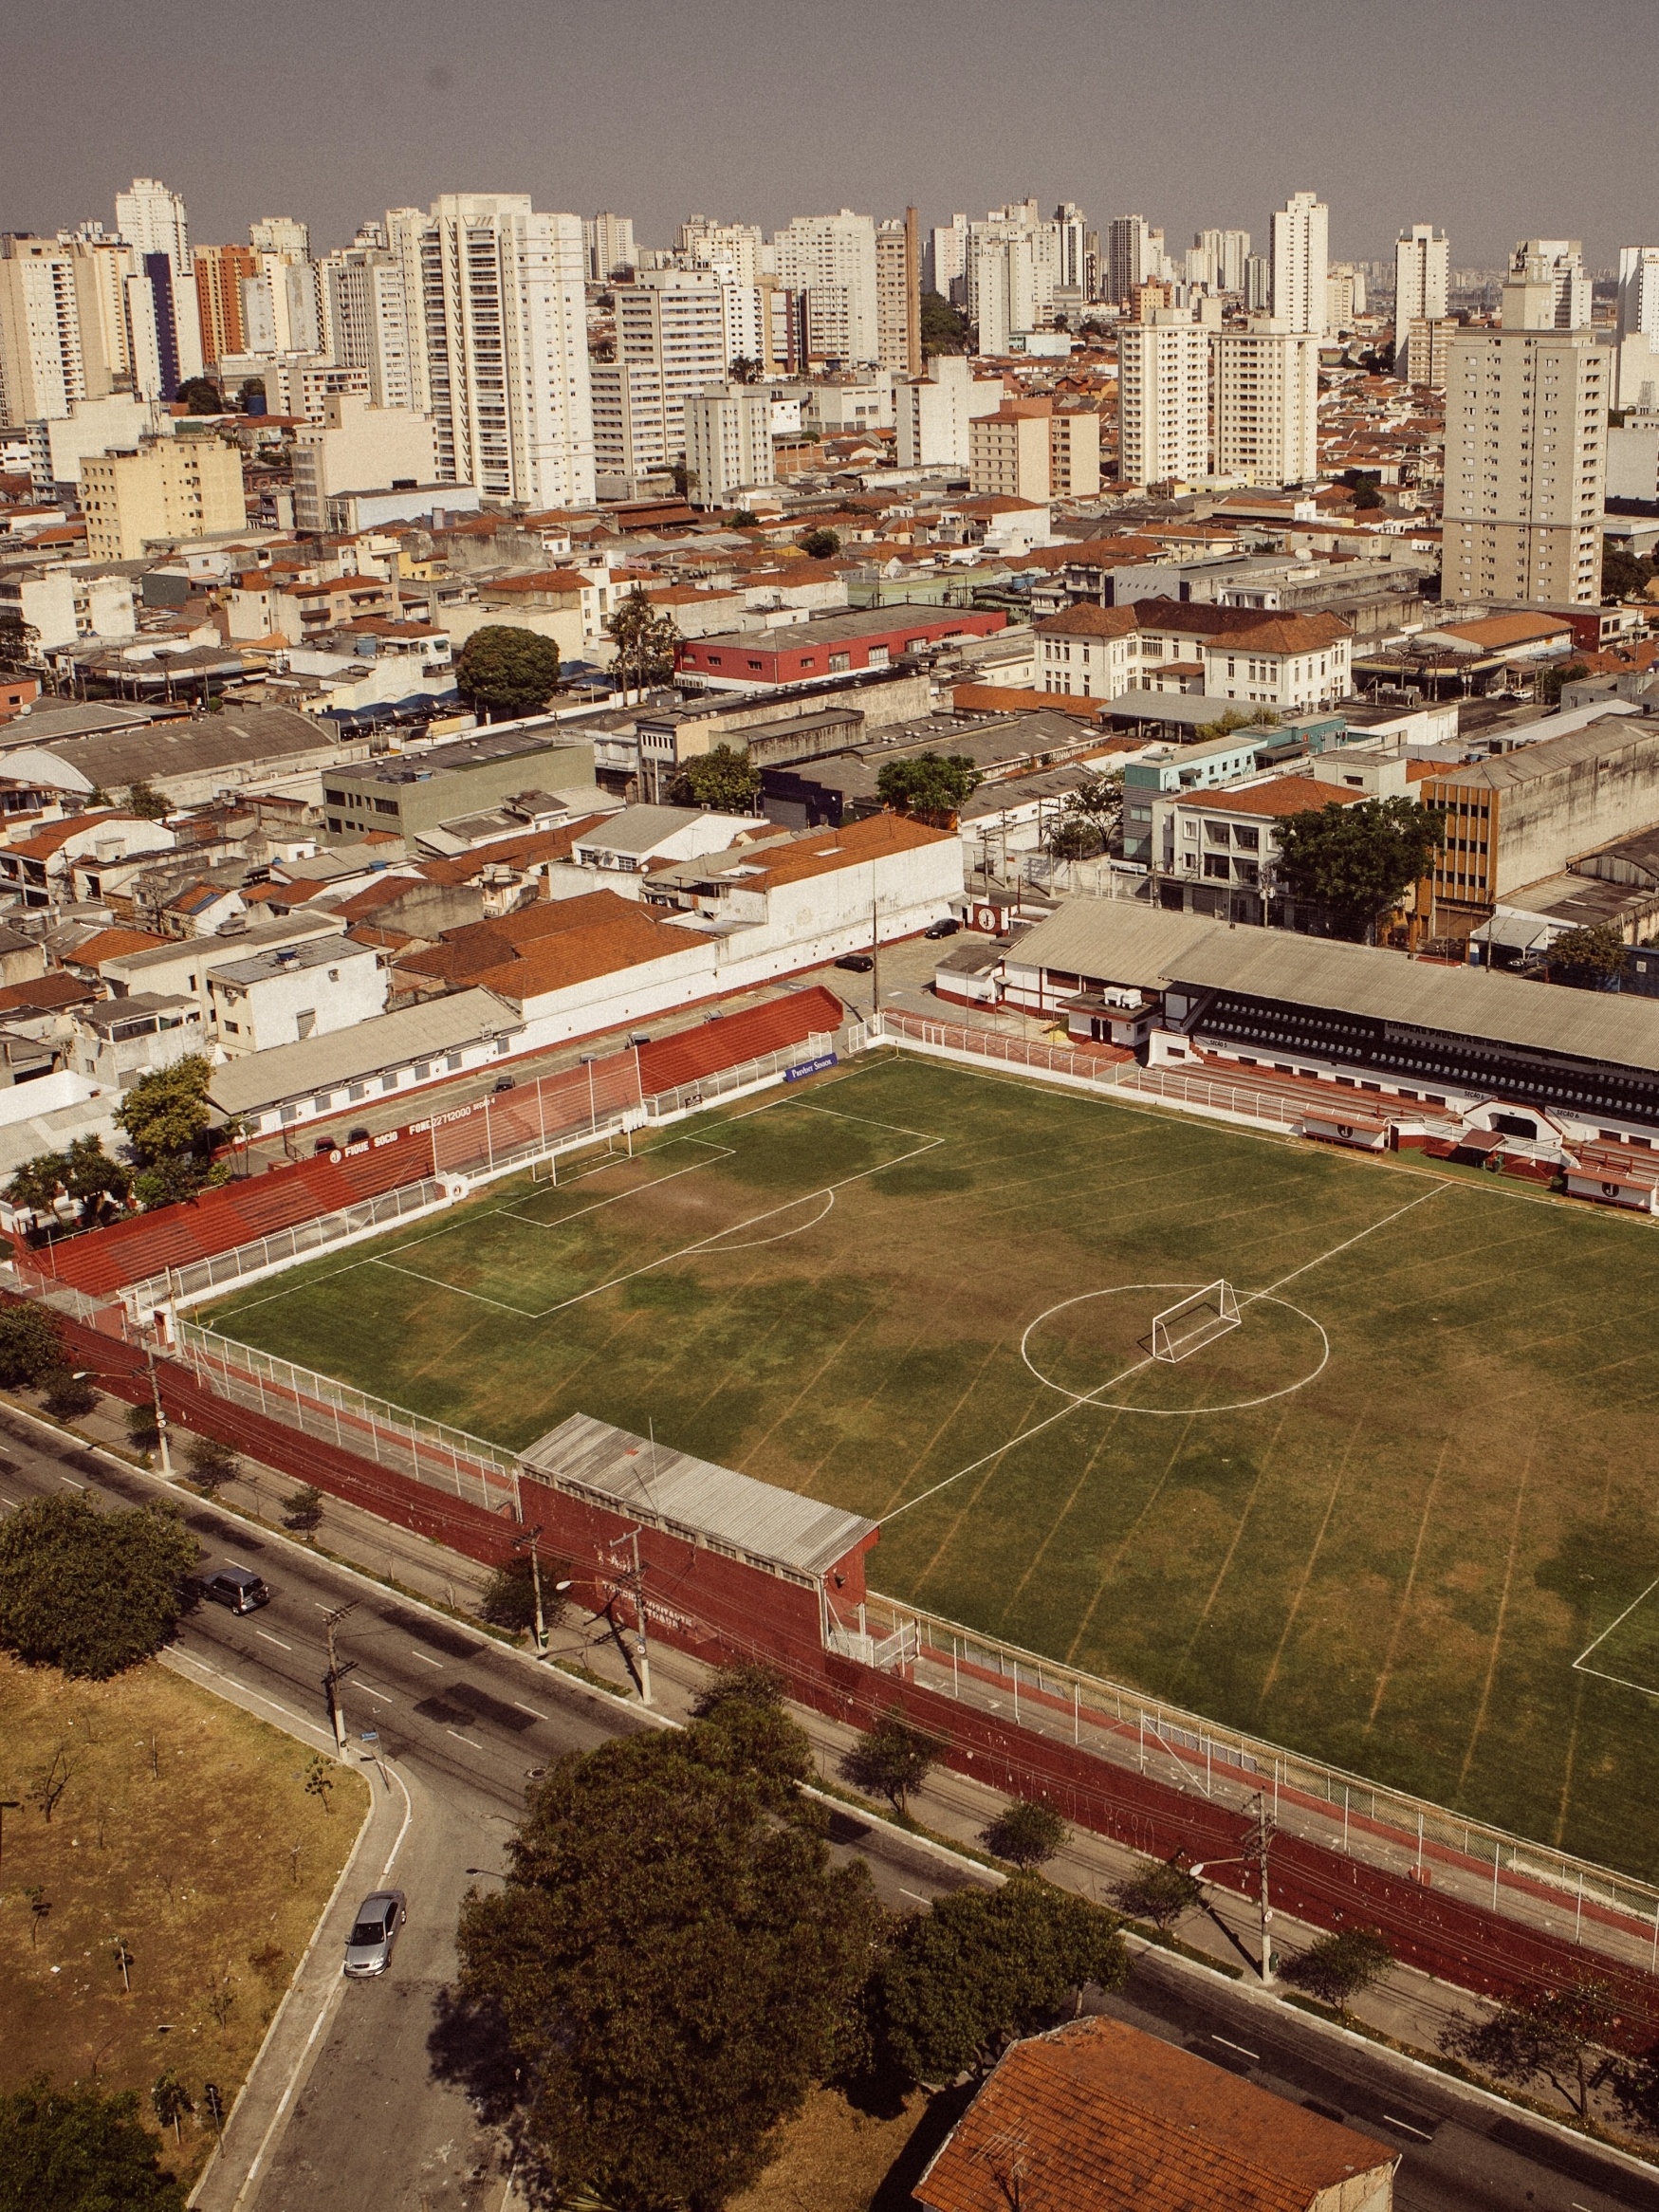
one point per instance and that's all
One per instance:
(751, 1073)
(955, 1039)
(1241, 1101)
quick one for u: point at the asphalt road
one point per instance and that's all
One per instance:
(393, 2111)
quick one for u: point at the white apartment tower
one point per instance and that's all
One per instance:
(367, 310)
(1636, 340)
(832, 260)
(151, 220)
(1301, 237)
(1129, 256)
(947, 259)
(503, 336)
(1525, 449)
(1163, 400)
(1267, 403)
(1421, 277)
(1559, 263)
(898, 294)
(736, 252)
(674, 322)
(608, 243)
(281, 234)
(728, 441)
(42, 371)
(932, 413)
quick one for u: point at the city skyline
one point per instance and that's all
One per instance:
(662, 111)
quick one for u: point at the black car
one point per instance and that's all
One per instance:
(506, 1083)
(357, 1137)
(860, 963)
(947, 928)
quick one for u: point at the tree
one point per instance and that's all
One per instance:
(1160, 1894)
(1075, 837)
(685, 479)
(1635, 2084)
(819, 544)
(99, 1185)
(88, 1591)
(1555, 2034)
(79, 2149)
(508, 670)
(725, 781)
(303, 1509)
(645, 638)
(37, 1185)
(942, 329)
(1358, 861)
(142, 1432)
(1364, 484)
(981, 1966)
(1339, 1967)
(200, 395)
(1547, 685)
(143, 798)
(675, 1960)
(32, 1347)
(933, 785)
(1623, 576)
(1027, 1834)
(250, 389)
(1587, 959)
(169, 2100)
(509, 1597)
(745, 519)
(68, 1394)
(212, 1464)
(319, 1781)
(18, 639)
(890, 1761)
(166, 1113)
(743, 371)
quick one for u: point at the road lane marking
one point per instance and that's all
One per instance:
(379, 1694)
(1422, 2135)
(11, 1502)
(430, 1662)
(468, 1740)
(276, 1640)
(531, 1709)
(320, 1607)
(917, 1896)
(72, 1482)
(1239, 2048)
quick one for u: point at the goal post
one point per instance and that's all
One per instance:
(1194, 1321)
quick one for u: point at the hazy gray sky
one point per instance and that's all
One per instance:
(1496, 119)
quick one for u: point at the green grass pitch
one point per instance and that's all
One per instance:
(1379, 1520)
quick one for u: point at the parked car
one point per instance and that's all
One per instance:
(506, 1083)
(947, 928)
(358, 1135)
(368, 1948)
(860, 963)
(324, 1144)
(236, 1587)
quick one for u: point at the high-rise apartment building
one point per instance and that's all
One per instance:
(1559, 263)
(502, 335)
(357, 447)
(1344, 295)
(945, 265)
(1129, 256)
(220, 274)
(1257, 284)
(281, 234)
(1267, 403)
(1425, 351)
(1636, 339)
(1163, 400)
(1014, 264)
(627, 417)
(1072, 253)
(42, 371)
(153, 221)
(674, 322)
(898, 294)
(831, 259)
(366, 320)
(164, 488)
(728, 441)
(736, 252)
(1301, 253)
(1422, 278)
(117, 308)
(1525, 447)
(1218, 258)
(608, 241)
(932, 413)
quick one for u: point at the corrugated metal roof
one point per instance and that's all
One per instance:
(695, 1499)
(1111, 940)
(385, 1041)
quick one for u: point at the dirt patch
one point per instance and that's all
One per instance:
(836, 2158)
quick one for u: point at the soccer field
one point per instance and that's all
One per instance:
(1379, 1520)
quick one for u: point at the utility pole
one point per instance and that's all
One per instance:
(519, 1542)
(634, 1583)
(1256, 1853)
(336, 1675)
(875, 951)
(160, 1415)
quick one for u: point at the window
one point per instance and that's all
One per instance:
(1216, 864)
(839, 663)
(385, 807)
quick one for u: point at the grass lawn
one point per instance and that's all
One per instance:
(184, 1830)
(1379, 1520)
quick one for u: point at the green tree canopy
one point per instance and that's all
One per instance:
(1587, 958)
(1339, 1967)
(981, 1966)
(79, 2149)
(890, 1761)
(1364, 484)
(942, 329)
(674, 1958)
(1558, 2035)
(40, 1182)
(1160, 1894)
(200, 395)
(507, 671)
(819, 544)
(1075, 837)
(143, 798)
(930, 785)
(88, 1591)
(645, 639)
(1358, 861)
(31, 1345)
(725, 781)
(1624, 576)
(1027, 1834)
(85, 1173)
(745, 519)
(166, 1111)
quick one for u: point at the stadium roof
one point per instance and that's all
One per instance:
(695, 1499)
(1131, 944)
(258, 1080)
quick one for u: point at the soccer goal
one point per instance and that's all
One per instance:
(1194, 1321)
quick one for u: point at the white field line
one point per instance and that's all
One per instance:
(1606, 1631)
(512, 1214)
(1093, 1397)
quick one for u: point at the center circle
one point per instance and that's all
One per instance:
(1317, 1351)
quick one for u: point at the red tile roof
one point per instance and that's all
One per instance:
(1280, 795)
(1090, 621)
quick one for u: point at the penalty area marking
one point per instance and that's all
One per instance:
(1170, 1413)
(1645, 1689)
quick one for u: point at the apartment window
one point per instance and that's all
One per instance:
(839, 663)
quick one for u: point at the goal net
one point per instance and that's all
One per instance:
(1194, 1321)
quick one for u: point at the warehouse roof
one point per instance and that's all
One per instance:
(386, 1040)
(237, 738)
(695, 1500)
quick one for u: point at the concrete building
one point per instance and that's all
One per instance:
(1163, 400)
(736, 252)
(65, 606)
(502, 331)
(1636, 336)
(1344, 297)
(407, 795)
(1300, 255)
(832, 646)
(607, 243)
(670, 323)
(220, 274)
(120, 352)
(153, 221)
(1633, 458)
(728, 442)
(1073, 452)
(944, 261)
(1249, 656)
(1557, 265)
(628, 438)
(281, 234)
(1128, 257)
(1014, 260)
(898, 294)
(932, 413)
(366, 312)
(1428, 352)
(1267, 403)
(291, 992)
(296, 384)
(831, 261)
(123, 1039)
(41, 370)
(358, 447)
(162, 488)
(1421, 276)
(58, 445)
(1222, 256)
(1008, 452)
(1257, 284)
(1525, 450)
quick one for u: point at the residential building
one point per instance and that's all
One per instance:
(281, 310)
(670, 323)
(634, 842)
(1249, 656)
(1089, 652)
(932, 413)
(153, 221)
(281, 234)
(1014, 269)
(831, 261)
(835, 645)
(358, 447)
(1422, 275)
(1073, 452)
(898, 294)
(607, 243)
(43, 370)
(119, 346)
(40, 868)
(629, 440)
(120, 1040)
(1098, 2114)
(1267, 403)
(294, 992)
(162, 488)
(1300, 254)
(1128, 257)
(503, 337)
(728, 442)
(1257, 284)
(1344, 296)
(1636, 336)
(1217, 852)
(945, 267)
(1163, 400)
(1557, 263)
(220, 274)
(1525, 450)
(1426, 352)
(407, 796)
(1008, 452)
(1632, 458)
(367, 314)
(64, 606)
(1222, 256)
(296, 384)
(736, 252)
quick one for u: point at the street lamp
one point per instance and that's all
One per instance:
(1254, 1855)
